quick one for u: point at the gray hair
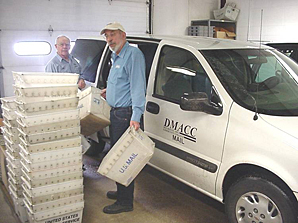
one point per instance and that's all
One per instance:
(60, 36)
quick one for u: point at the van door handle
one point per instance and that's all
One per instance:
(152, 107)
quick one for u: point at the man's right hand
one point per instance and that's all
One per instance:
(103, 93)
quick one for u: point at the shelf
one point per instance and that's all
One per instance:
(211, 23)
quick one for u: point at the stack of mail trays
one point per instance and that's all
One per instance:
(47, 149)
(12, 150)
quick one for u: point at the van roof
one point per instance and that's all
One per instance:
(198, 42)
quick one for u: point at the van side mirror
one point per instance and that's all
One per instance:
(198, 101)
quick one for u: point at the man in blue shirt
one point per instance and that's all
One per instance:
(125, 93)
(64, 62)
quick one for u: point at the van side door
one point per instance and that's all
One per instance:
(189, 144)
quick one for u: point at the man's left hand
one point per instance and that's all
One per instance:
(135, 124)
(81, 83)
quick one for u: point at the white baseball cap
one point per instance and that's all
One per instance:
(112, 26)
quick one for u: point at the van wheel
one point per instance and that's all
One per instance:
(257, 200)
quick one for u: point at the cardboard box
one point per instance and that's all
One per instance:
(127, 157)
(228, 12)
(224, 35)
(94, 111)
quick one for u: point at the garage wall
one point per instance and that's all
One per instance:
(24, 20)
(172, 17)
(279, 23)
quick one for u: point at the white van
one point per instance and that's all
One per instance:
(223, 115)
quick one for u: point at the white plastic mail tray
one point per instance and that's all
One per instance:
(11, 128)
(49, 136)
(127, 157)
(53, 188)
(54, 204)
(15, 185)
(7, 141)
(14, 178)
(48, 117)
(11, 159)
(51, 172)
(13, 149)
(70, 90)
(12, 122)
(44, 78)
(13, 169)
(9, 102)
(41, 107)
(51, 155)
(14, 194)
(16, 188)
(39, 99)
(49, 127)
(50, 164)
(19, 206)
(9, 113)
(67, 213)
(94, 111)
(51, 197)
(12, 191)
(51, 145)
(52, 180)
(91, 101)
(14, 138)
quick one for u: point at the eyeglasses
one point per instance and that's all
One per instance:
(113, 33)
(63, 44)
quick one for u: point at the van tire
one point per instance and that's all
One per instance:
(256, 199)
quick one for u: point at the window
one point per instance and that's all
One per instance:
(257, 79)
(32, 48)
(179, 72)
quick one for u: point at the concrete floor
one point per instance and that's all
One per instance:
(158, 198)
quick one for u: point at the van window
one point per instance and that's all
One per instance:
(88, 53)
(148, 49)
(38, 48)
(256, 79)
(179, 72)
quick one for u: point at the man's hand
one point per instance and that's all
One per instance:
(135, 124)
(103, 93)
(81, 84)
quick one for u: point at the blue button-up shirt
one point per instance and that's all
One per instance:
(59, 65)
(127, 82)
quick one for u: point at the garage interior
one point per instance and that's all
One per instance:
(158, 197)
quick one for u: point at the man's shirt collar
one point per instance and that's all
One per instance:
(60, 58)
(122, 52)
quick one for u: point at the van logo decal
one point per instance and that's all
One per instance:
(180, 131)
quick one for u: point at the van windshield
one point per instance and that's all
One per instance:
(257, 79)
